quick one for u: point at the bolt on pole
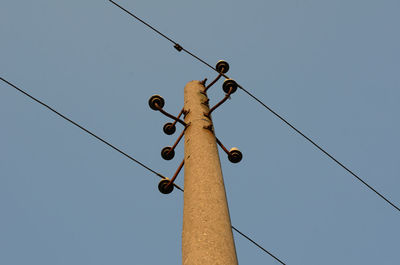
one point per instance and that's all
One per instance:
(207, 237)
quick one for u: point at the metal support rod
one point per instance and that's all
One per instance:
(176, 186)
(170, 115)
(222, 146)
(213, 82)
(227, 95)
(171, 182)
(177, 141)
(207, 237)
(177, 117)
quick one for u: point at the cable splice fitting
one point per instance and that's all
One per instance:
(178, 47)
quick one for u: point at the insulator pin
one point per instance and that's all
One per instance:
(156, 102)
(229, 85)
(169, 128)
(235, 156)
(167, 153)
(222, 67)
(165, 187)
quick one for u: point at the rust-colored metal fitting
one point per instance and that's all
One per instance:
(234, 155)
(227, 96)
(170, 128)
(169, 152)
(178, 47)
(203, 93)
(205, 102)
(209, 127)
(207, 115)
(171, 116)
(185, 112)
(213, 82)
(171, 183)
(222, 146)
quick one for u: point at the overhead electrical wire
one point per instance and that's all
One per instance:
(178, 47)
(85, 130)
(118, 150)
(255, 243)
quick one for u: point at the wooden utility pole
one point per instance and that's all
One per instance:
(207, 237)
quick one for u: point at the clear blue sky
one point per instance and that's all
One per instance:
(330, 67)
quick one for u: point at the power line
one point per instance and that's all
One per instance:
(180, 48)
(177, 46)
(118, 150)
(255, 243)
(252, 241)
(321, 149)
(85, 130)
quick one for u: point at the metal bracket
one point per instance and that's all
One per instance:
(206, 103)
(178, 47)
(203, 93)
(209, 127)
(185, 112)
(207, 115)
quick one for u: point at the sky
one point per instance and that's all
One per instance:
(331, 68)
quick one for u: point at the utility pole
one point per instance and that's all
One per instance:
(207, 237)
